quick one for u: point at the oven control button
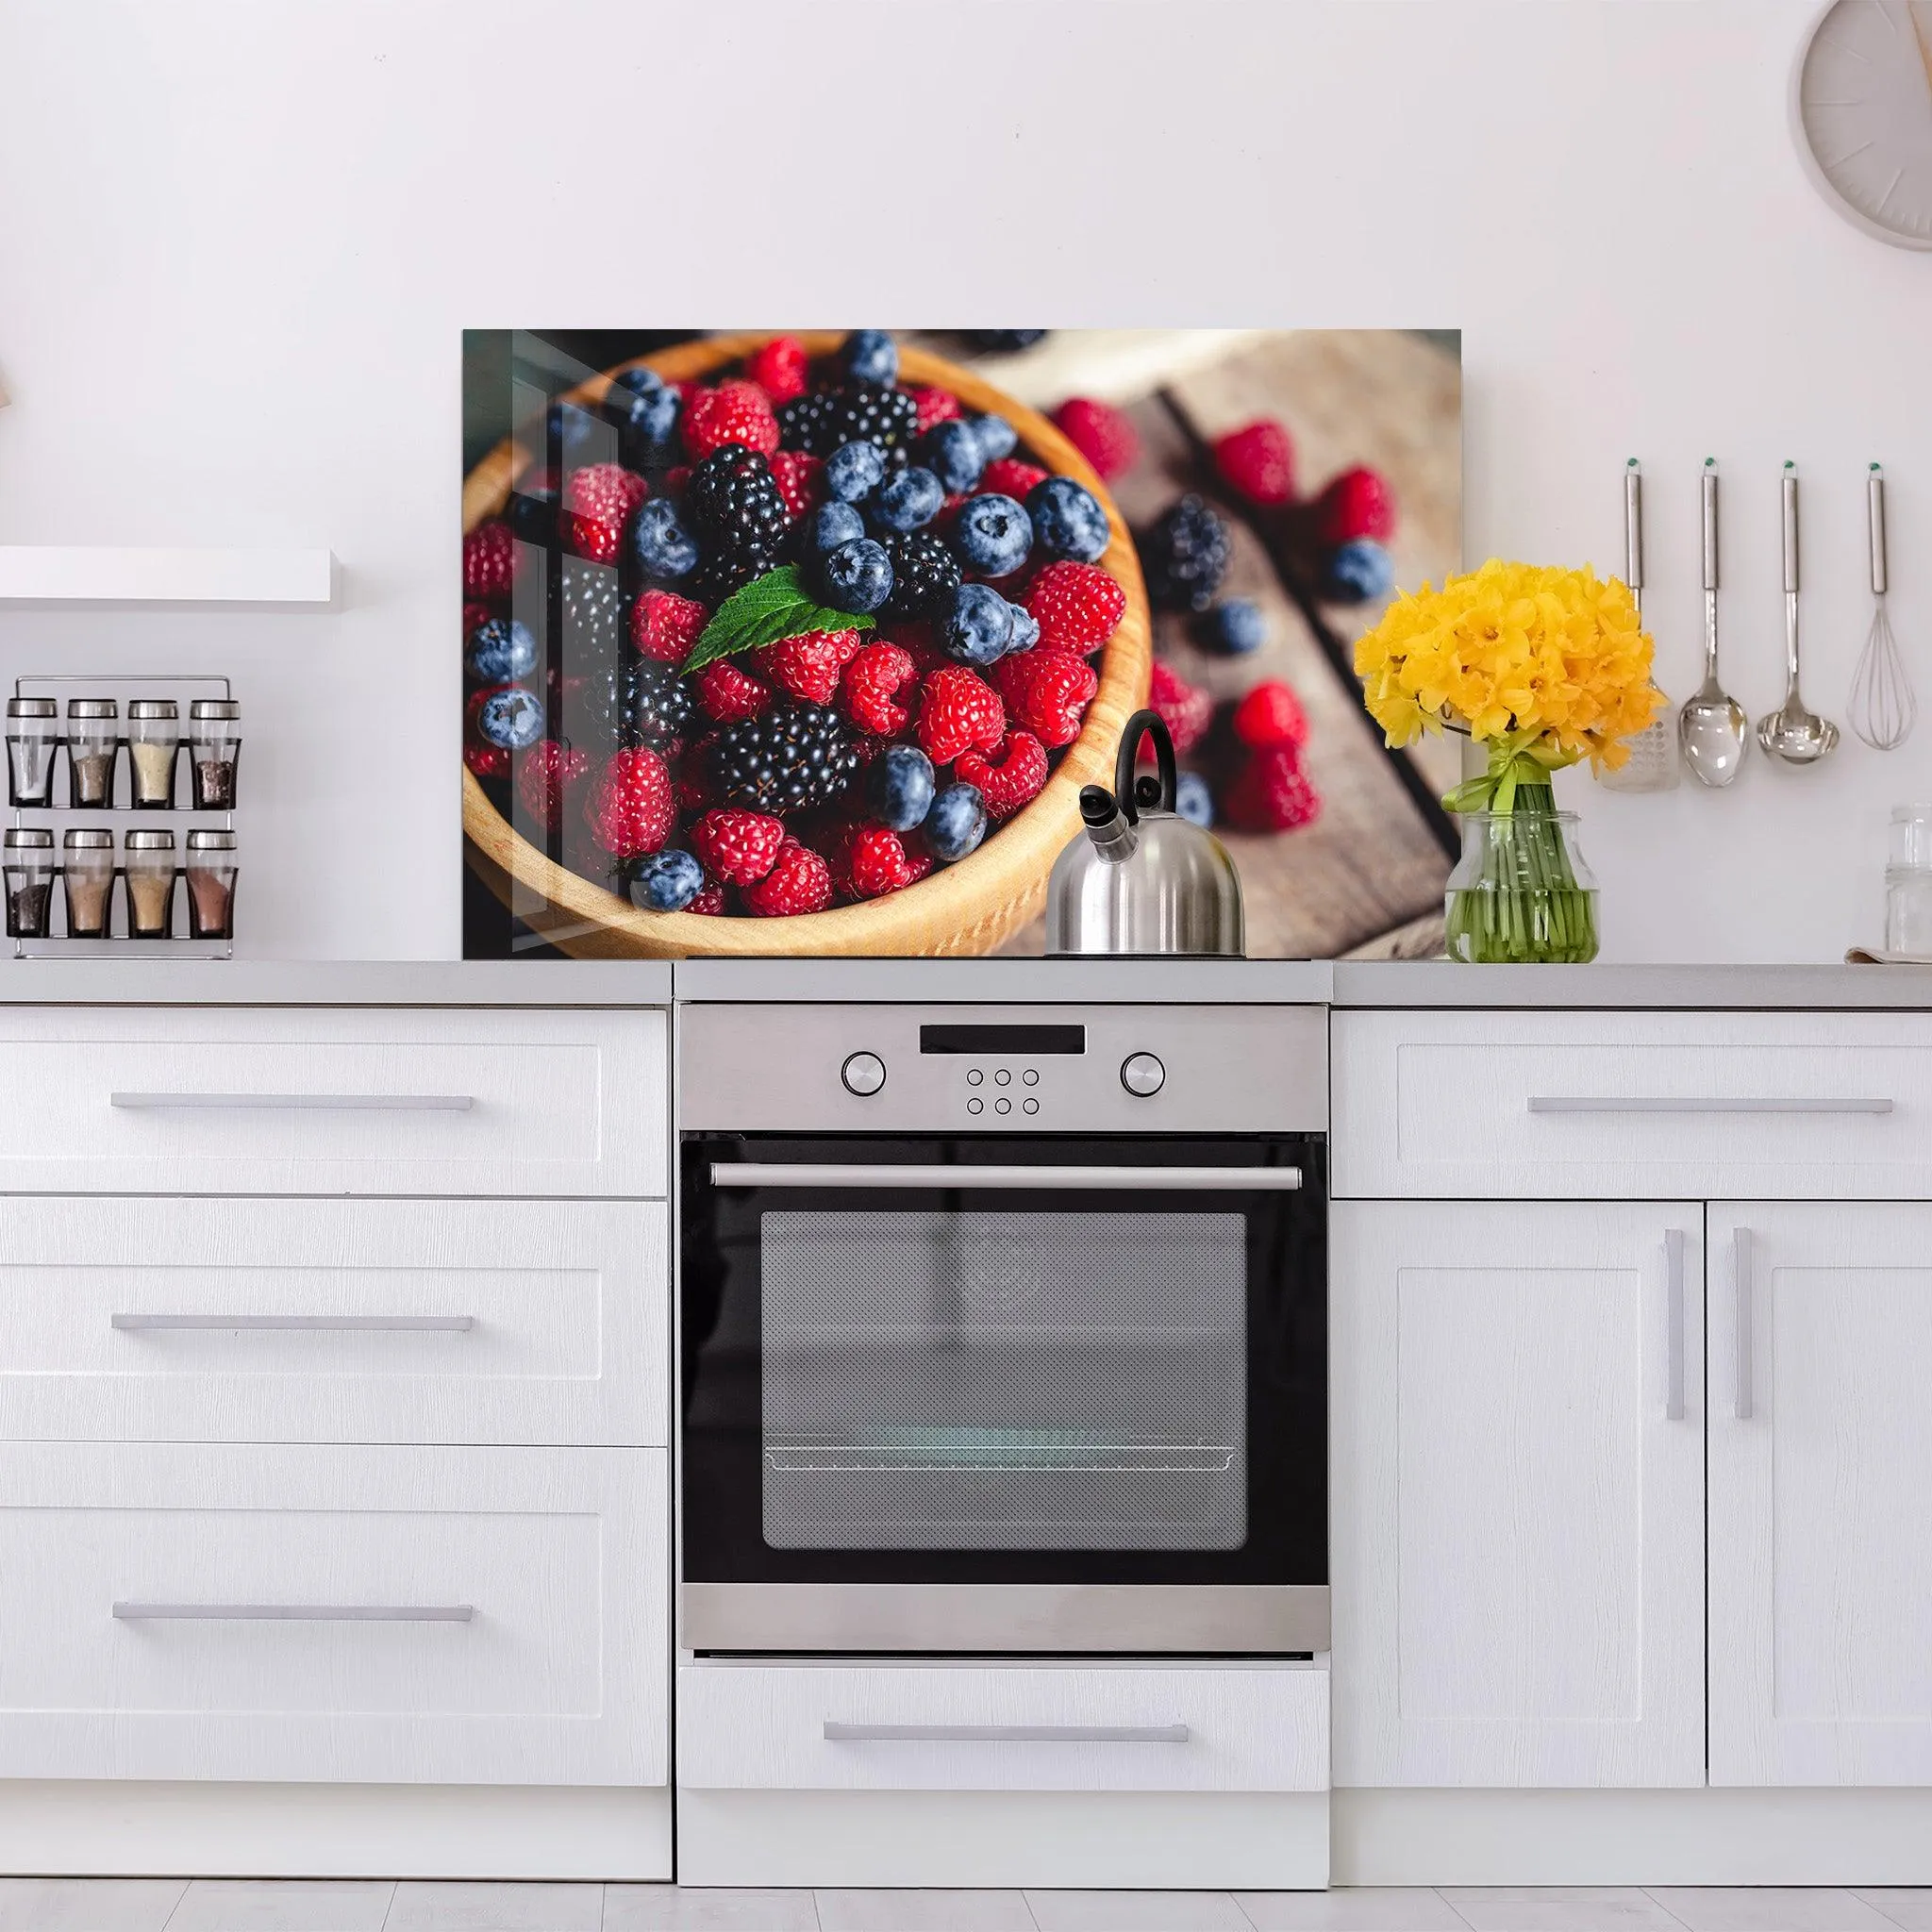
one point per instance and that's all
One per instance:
(1003, 1105)
(974, 1077)
(1031, 1077)
(974, 1105)
(1003, 1078)
(1142, 1073)
(863, 1074)
(1031, 1104)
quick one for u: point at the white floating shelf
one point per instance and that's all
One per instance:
(51, 573)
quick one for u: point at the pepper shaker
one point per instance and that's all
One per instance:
(214, 730)
(29, 872)
(93, 744)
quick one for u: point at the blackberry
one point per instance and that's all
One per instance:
(806, 423)
(924, 572)
(642, 703)
(858, 411)
(1185, 556)
(788, 758)
(591, 607)
(734, 505)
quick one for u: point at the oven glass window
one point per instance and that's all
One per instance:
(945, 1379)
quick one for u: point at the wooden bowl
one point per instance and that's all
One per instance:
(967, 907)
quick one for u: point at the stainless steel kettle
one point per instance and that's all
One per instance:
(1141, 879)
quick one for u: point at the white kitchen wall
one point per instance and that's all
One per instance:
(239, 242)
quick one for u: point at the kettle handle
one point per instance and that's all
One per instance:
(1155, 725)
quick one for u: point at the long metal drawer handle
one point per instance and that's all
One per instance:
(1227, 1181)
(1740, 1281)
(1673, 1324)
(323, 1103)
(1583, 1103)
(296, 1613)
(837, 1732)
(360, 1324)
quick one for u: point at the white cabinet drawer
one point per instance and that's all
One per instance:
(1602, 1105)
(332, 1101)
(174, 1611)
(1008, 1727)
(333, 1321)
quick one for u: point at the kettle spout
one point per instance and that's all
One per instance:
(1113, 835)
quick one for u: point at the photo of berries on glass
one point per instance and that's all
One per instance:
(803, 644)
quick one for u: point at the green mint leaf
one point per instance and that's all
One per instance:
(768, 608)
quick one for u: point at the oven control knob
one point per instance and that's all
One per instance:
(1142, 1073)
(863, 1074)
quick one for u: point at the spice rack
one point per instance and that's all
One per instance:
(118, 860)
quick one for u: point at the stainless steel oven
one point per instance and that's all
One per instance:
(1004, 1330)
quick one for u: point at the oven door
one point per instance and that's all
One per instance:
(1004, 1393)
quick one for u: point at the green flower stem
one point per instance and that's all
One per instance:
(1526, 904)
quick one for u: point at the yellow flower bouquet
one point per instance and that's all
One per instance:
(1545, 667)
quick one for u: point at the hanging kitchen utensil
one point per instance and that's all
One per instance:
(1793, 733)
(1712, 729)
(1652, 765)
(1882, 706)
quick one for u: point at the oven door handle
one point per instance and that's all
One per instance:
(837, 1732)
(1220, 1180)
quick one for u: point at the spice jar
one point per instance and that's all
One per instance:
(33, 735)
(86, 870)
(153, 744)
(29, 870)
(94, 733)
(212, 867)
(148, 860)
(214, 744)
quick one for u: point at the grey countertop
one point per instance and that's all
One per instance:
(335, 983)
(1440, 983)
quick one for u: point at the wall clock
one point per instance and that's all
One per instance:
(1862, 115)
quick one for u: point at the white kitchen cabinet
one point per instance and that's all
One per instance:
(1518, 1493)
(1820, 1495)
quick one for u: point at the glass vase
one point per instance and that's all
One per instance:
(1521, 894)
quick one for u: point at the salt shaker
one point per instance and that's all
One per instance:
(33, 735)
(29, 873)
(212, 868)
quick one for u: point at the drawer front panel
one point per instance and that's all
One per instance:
(837, 1726)
(451, 1616)
(338, 1321)
(1602, 1106)
(327, 1101)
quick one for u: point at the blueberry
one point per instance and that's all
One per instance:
(512, 718)
(1354, 572)
(977, 627)
(501, 649)
(997, 437)
(855, 469)
(644, 404)
(870, 354)
(952, 452)
(994, 535)
(1067, 520)
(957, 822)
(584, 438)
(1025, 629)
(899, 787)
(1235, 626)
(858, 576)
(912, 498)
(1192, 801)
(831, 524)
(668, 881)
(532, 512)
(661, 543)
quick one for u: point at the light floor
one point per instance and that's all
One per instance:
(174, 1905)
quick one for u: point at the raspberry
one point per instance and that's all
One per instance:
(935, 405)
(1047, 691)
(808, 665)
(1008, 777)
(799, 881)
(1077, 606)
(959, 709)
(486, 760)
(1257, 462)
(1009, 477)
(778, 368)
(489, 561)
(1271, 793)
(1100, 433)
(728, 695)
(735, 411)
(598, 501)
(664, 627)
(547, 774)
(798, 477)
(1185, 709)
(877, 862)
(710, 899)
(738, 846)
(629, 809)
(1356, 503)
(475, 614)
(870, 679)
(1271, 714)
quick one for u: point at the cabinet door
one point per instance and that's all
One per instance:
(1518, 1493)
(1821, 1527)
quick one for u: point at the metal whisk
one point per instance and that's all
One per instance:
(1882, 706)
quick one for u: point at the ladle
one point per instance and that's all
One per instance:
(1793, 733)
